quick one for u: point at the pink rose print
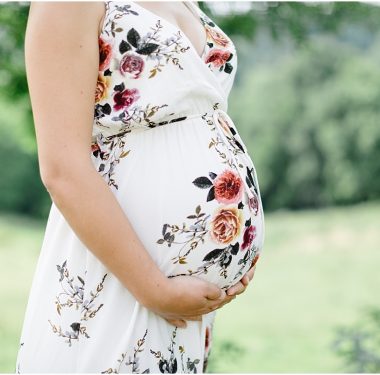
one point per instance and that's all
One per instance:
(254, 204)
(125, 98)
(132, 64)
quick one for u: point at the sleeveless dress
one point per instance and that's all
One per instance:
(165, 145)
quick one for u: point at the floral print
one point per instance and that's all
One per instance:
(220, 53)
(72, 296)
(165, 146)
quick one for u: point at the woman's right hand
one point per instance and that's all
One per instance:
(188, 298)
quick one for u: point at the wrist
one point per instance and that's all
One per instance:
(156, 297)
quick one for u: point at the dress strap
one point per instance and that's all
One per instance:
(193, 8)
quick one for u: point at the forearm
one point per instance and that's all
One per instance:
(93, 212)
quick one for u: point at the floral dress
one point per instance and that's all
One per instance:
(164, 144)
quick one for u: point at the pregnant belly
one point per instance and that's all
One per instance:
(184, 196)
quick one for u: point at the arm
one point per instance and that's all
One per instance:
(62, 61)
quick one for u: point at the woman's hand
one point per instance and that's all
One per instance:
(215, 303)
(188, 298)
(241, 285)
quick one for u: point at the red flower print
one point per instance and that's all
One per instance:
(226, 224)
(123, 99)
(95, 147)
(105, 54)
(248, 236)
(228, 187)
(217, 57)
(132, 64)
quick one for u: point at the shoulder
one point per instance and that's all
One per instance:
(70, 14)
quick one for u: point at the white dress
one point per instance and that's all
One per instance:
(172, 156)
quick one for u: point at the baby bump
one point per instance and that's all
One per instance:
(187, 201)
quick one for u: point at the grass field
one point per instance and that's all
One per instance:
(318, 270)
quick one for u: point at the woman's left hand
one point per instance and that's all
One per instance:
(232, 292)
(242, 285)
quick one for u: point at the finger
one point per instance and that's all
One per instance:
(250, 273)
(227, 301)
(245, 280)
(236, 289)
(194, 317)
(178, 322)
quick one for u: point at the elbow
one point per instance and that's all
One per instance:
(51, 177)
(58, 177)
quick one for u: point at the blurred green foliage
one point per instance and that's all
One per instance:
(308, 111)
(359, 344)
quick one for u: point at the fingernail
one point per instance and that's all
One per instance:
(230, 292)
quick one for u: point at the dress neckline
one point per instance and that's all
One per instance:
(197, 14)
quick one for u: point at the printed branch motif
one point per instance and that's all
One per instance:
(134, 362)
(194, 233)
(110, 151)
(72, 295)
(169, 364)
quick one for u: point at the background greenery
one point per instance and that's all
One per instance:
(306, 102)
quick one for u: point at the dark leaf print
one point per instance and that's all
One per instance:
(133, 37)
(228, 68)
(248, 222)
(106, 109)
(147, 48)
(249, 177)
(80, 279)
(75, 326)
(120, 87)
(239, 145)
(240, 205)
(235, 248)
(107, 72)
(124, 46)
(213, 254)
(211, 194)
(212, 175)
(202, 182)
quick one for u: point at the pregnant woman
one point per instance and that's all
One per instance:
(156, 219)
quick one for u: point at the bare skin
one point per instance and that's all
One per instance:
(62, 61)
